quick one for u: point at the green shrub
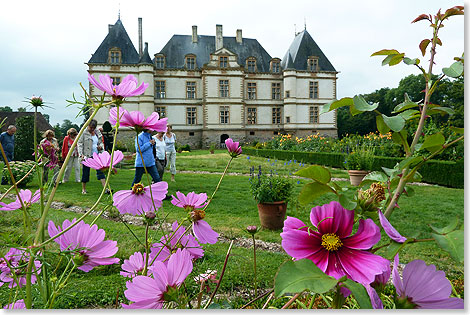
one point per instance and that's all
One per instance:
(20, 169)
(24, 139)
(270, 188)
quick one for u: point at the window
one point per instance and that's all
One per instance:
(190, 115)
(251, 115)
(116, 80)
(160, 89)
(313, 92)
(191, 133)
(251, 64)
(312, 63)
(223, 88)
(251, 89)
(275, 67)
(276, 115)
(160, 62)
(161, 111)
(275, 133)
(223, 61)
(276, 91)
(287, 119)
(224, 114)
(313, 113)
(114, 55)
(287, 94)
(190, 89)
(252, 133)
(190, 62)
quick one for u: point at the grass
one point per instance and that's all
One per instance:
(229, 213)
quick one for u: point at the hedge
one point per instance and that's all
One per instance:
(443, 173)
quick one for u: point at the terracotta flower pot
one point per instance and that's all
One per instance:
(272, 214)
(356, 176)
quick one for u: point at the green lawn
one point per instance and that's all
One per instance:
(230, 212)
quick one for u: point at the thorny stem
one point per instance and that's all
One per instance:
(257, 298)
(221, 276)
(291, 301)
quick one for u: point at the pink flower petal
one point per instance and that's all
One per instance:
(367, 235)
(204, 233)
(333, 218)
(390, 230)
(361, 266)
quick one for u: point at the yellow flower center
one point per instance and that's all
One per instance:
(331, 242)
(138, 189)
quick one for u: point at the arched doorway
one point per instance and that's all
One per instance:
(222, 140)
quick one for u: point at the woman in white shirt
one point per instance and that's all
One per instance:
(160, 153)
(170, 140)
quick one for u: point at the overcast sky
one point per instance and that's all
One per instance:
(45, 44)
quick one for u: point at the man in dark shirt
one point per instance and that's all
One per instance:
(7, 139)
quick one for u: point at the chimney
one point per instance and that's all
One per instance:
(239, 36)
(219, 39)
(194, 33)
(146, 47)
(110, 26)
(140, 36)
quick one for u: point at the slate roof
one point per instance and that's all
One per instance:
(301, 48)
(181, 45)
(145, 58)
(117, 37)
(11, 117)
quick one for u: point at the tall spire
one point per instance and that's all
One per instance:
(119, 11)
(305, 24)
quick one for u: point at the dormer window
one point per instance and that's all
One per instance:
(116, 80)
(223, 61)
(275, 66)
(160, 62)
(114, 55)
(251, 64)
(190, 62)
(312, 63)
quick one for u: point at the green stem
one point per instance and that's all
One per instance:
(254, 264)
(291, 300)
(144, 272)
(218, 185)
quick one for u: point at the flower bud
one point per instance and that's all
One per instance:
(252, 229)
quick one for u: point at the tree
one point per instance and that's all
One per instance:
(21, 109)
(7, 109)
(24, 141)
(46, 117)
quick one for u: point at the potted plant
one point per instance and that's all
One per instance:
(212, 148)
(272, 193)
(359, 163)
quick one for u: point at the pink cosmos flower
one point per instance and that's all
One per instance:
(152, 292)
(135, 265)
(102, 161)
(138, 200)
(50, 152)
(332, 247)
(389, 229)
(201, 229)
(25, 195)
(127, 87)
(87, 244)
(177, 239)
(18, 259)
(15, 305)
(423, 287)
(137, 120)
(233, 147)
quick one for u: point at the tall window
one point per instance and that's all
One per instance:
(116, 80)
(313, 90)
(190, 115)
(313, 113)
(223, 61)
(251, 115)
(276, 115)
(275, 67)
(160, 62)
(224, 114)
(312, 63)
(276, 91)
(251, 89)
(190, 62)
(160, 89)
(251, 64)
(114, 56)
(190, 89)
(161, 111)
(223, 88)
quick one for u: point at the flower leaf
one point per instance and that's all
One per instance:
(455, 70)
(346, 202)
(312, 191)
(447, 229)
(381, 125)
(453, 243)
(295, 277)
(385, 52)
(375, 176)
(345, 101)
(433, 142)
(315, 172)
(359, 292)
(361, 104)
(423, 45)
(396, 123)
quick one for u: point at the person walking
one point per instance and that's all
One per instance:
(145, 142)
(74, 161)
(49, 135)
(170, 140)
(7, 139)
(160, 153)
(90, 142)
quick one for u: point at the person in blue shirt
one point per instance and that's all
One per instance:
(7, 139)
(146, 144)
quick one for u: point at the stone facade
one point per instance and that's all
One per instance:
(214, 87)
